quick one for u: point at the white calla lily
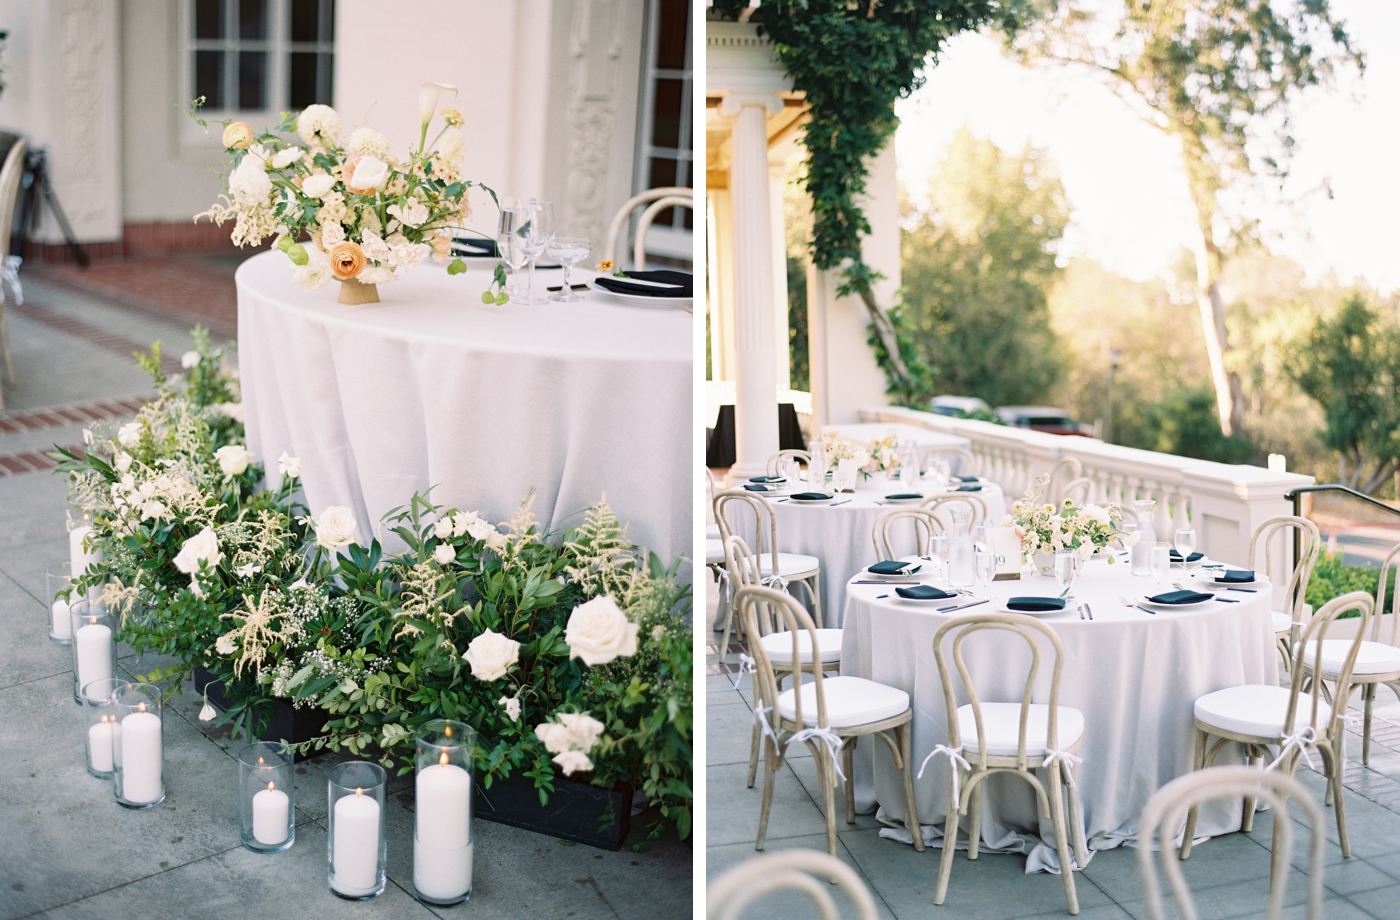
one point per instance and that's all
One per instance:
(428, 95)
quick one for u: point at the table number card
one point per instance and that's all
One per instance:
(1007, 547)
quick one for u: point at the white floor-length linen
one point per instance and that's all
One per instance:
(431, 387)
(1134, 676)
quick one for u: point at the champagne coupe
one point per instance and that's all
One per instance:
(535, 236)
(1160, 562)
(984, 569)
(1185, 543)
(569, 250)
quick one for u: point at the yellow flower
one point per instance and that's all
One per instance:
(454, 117)
(1049, 509)
(606, 265)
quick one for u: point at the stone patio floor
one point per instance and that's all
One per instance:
(66, 849)
(1228, 875)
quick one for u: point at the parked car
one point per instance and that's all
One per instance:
(1043, 418)
(958, 406)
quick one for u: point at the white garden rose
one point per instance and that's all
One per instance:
(461, 521)
(511, 704)
(335, 527)
(376, 274)
(318, 125)
(497, 540)
(445, 553)
(443, 529)
(249, 183)
(224, 645)
(583, 729)
(480, 530)
(332, 233)
(414, 214)
(202, 547)
(129, 435)
(316, 273)
(376, 250)
(189, 359)
(553, 736)
(572, 762)
(317, 186)
(491, 655)
(284, 158)
(370, 174)
(233, 459)
(599, 631)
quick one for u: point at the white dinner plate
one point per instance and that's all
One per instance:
(1002, 606)
(640, 300)
(903, 575)
(1207, 579)
(901, 501)
(930, 602)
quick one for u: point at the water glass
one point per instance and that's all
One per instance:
(1185, 543)
(1066, 567)
(508, 244)
(909, 468)
(938, 553)
(984, 569)
(569, 250)
(1160, 561)
(979, 537)
(535, 235)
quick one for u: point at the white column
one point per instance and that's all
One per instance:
(756, 403)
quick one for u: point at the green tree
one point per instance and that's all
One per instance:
(977, 266)
(1221, 77)
(1350, 364)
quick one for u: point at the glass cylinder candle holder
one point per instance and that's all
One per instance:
(60, 617)
(94, 645)
(266, 797)
(100, 720)
(138, 747)
(356, 843)
(81, 553)
(442, 837)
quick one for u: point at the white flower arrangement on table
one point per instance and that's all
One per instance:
(881, 457)
(364, 214)
(1043, 528)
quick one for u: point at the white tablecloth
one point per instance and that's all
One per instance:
(925, 441)
(839, 535)
(431, 387)
(1134, 676)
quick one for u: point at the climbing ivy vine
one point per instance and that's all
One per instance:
(852, 59)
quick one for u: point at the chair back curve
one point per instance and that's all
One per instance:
(789, 616)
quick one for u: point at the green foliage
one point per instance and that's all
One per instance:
(799, 373)
(1349, 364)
(977, 266)
(1332, 578)
(1185, 423)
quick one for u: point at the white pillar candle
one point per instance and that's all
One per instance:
(77, 557)
(442, 875)
(356, 842)
(140, 756)
(271, 808)
(100, 745)
(94, 651)
(62, 619)
(442, 855)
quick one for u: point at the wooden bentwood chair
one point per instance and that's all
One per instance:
(925, 526)
(788, 870)
(828, 714)
(1019, 738)
(1295, 613)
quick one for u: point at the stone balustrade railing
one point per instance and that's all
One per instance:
(1225, 503)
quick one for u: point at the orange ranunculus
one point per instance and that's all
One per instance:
(347, 260)
(238, 135)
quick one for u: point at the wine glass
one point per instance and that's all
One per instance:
(984, 569)
(1185, 543)
(979, 537)
(1160, 561)
(1066, 567)
(938, 554)
(569, 250)
(535, 235)
(511, 252)
(909, 468)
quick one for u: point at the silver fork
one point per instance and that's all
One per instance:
(1127, 603)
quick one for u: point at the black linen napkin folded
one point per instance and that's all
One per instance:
(894, 567)
(1236, 575)
(900, 496)
(976, 488)
(1180, 597)
(965, 478)
(472, 246)
(812, 496)
(923, 593)
(757, 487)
(766, 479)
(1036, 603)
(681, 284)
(1176, 557)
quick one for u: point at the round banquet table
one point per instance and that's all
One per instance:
(839, 533)
(1135, 677)
(431, 387)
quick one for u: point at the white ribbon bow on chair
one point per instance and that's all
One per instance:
(1065, 758)
(827, 737)
(760, 715)
(1301, 740)
(747, 665)
(955, 760)
(776, 582)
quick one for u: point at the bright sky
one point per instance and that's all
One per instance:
(1123, 177)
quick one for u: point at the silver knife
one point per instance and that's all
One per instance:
(962, 606)
(1091, 611)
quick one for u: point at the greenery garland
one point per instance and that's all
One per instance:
(852, 59)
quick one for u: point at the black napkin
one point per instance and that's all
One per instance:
(1176, 557)
(812, 496)
(903, 495)
(684, 283)
(1236, 575)
(767, 479)
(756, 488)
(976, 488)
(1036, 603)
(474, 247)
(894, 567)
(923, 593)
(1180, 597)
(965, 478)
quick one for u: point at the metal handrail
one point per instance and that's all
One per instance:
(1296, 496)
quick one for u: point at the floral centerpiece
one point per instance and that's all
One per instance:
(569, 653)
(1044, 529)
(881, 457)
(348, 209)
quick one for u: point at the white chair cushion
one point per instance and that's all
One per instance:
(791, 565)
(778, 645)
(712, 532)
(1256, 709)
(714, 552)
(1373, 658)
(1003, 724)
(1282, 622)
(849, 701)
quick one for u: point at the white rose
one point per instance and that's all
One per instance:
(553, 736)
(511, 704)
(233, 459)
(583, 729)
(202, 547)
(599, 631)
(249, 183)
(445, 553)
(288, 467)
(414, 214)
(233, 410)
(335, 527)
(461, 521)
(497, 540)
(572, 762)
(376, 250)
(129, 435)
(224, 645)
(491, 655)
(443, 528)
(316, 273)
(376, 274)
(1085, 550)
(370, 175)
(331, 233)
(284, 158)
(317, 186)
(123, 462)
(189, 359)
(480, 530)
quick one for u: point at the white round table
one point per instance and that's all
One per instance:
(431, 387)
(1134, 675)
(839, 533)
